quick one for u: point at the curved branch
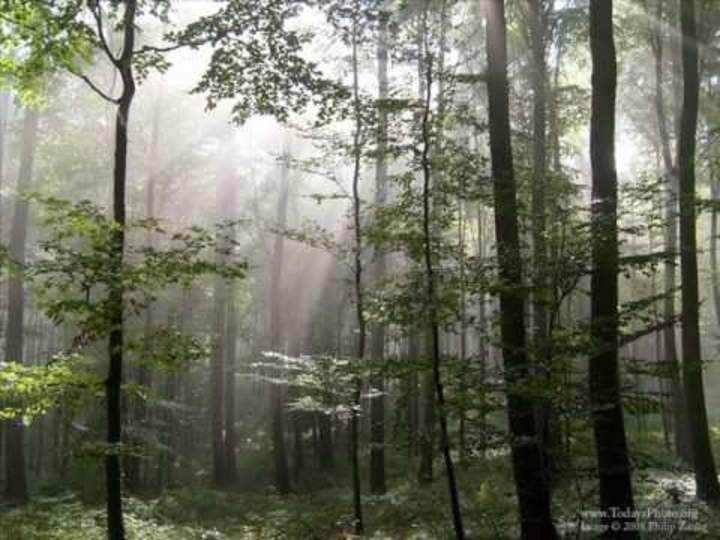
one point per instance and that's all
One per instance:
(96, 11)
(94, 87)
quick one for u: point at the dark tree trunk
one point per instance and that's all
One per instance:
(113, 471)
(431, 293)
(325, 443)
(608, 424)
(377, 343)
(426, 397)
(532, 489)
(426, 435)
(706, 480)
(16, 491)
(357, 282)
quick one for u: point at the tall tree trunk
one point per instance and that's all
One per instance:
(4, 114)
(541, 292)
(426, 401)
(672, 367)
(431, 293)
(113, 471)
(532, 489)
(231, 331)
(377, 331)
(16, 491)
(706, 480)
(715, 271)
(462, 353)
(357, 279)
(482, 324)
(133, 464)
(217, 365)
(608, 424)
(277, 406)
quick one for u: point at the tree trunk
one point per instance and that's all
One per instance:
(282, 475)
(541, 292)
(113, 471)
(16, 491)
(715, 272)
(4, 114)
(217, 366)
(230, 462)
(706, 481)
(357, 281)
(532, 489)
(377, 331)
(430, 288)
(672, 367)
(608, 424)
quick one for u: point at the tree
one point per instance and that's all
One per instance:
(431, 299)
(358, 269)
(377, 344)
(608, 425)
(16, 490)
(680, 434)
(706, 480)
(282, 474)
(531, 486)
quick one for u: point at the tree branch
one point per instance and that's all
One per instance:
(94, 87)
(96, 11)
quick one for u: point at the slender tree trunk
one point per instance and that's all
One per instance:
(426, 401)
(217, 366)
(462, 353)
(4, 114)
(277, 406)
(715, 272)
(482, 325)
(608, 424)
(413, 406)
(16, 491)
(541, 292)
(377, 331)
(431, 295)
(327, 458)
(672, 367)
(706, 480)
(231, 473)
(113, 471)
(532, 489)
(357, 281)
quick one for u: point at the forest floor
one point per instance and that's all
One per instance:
(664, 496)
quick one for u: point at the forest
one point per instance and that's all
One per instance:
(342, 269)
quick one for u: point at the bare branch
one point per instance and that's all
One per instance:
(94, 87)
(192, 44)
(97, 15)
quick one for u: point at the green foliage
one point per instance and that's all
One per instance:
(62, 518)
(258, 62)
(27, 391)
(38, 38)
(75, 267)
